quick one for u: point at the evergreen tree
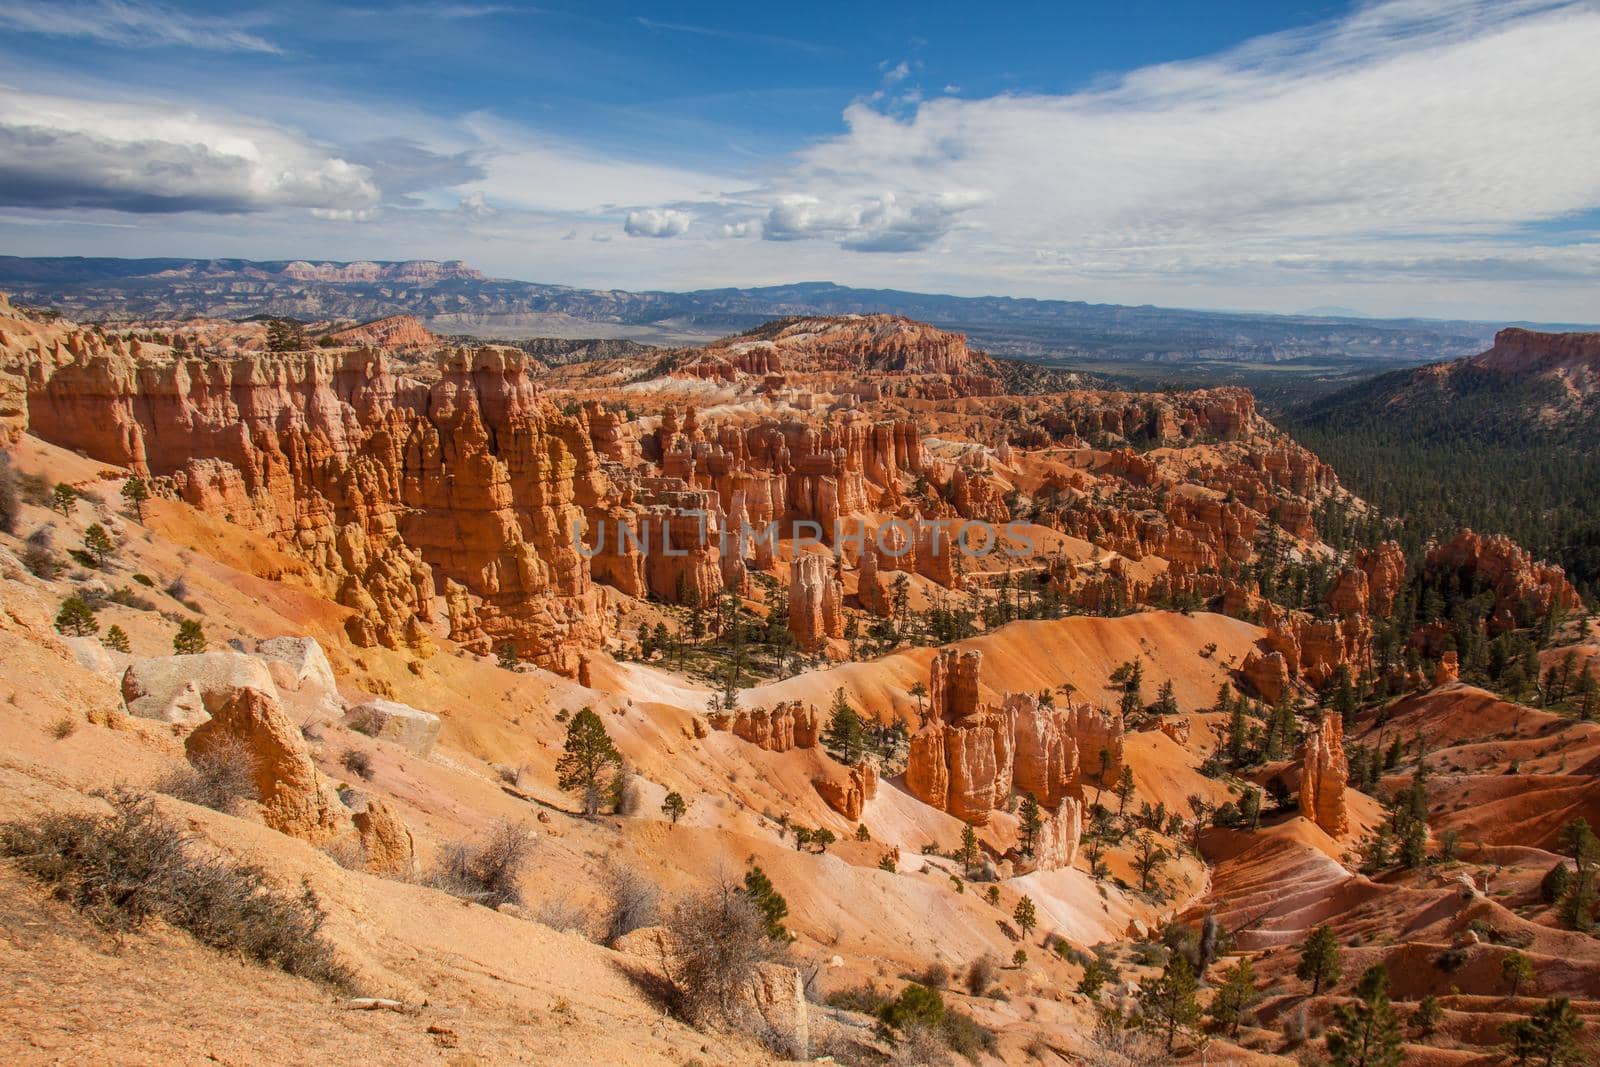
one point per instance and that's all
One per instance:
(1366, 1033)
(1234, 996)
(1428, 1015)
(1516, 970)
(1096, 973)
(97, 543)
(845, 736)
(63, 498)
(116, 639)
(136, 492)
(1031, 822)
(969, 848)
(774, 909)
(1124, 789)
(1166, 699)
(1148, 859)
(190, 639)
(673, 806)
(1548, 1036)
(590, 764)
(1319, 959)
(1026, 916)
(1168, 1003)
(76, 617)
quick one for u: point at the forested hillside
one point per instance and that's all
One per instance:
(1473, 446)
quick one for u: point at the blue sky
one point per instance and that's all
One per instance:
(1406, 156)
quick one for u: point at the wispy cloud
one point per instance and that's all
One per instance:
(132, 23)
(769, 40)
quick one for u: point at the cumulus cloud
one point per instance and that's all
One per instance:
(884, 223)
(657, 222)
(130, 23)
(58, 152)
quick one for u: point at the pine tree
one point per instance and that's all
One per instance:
(774, 909)
(1549, 1035)
(1026, 915)
(136, 492)
(63, 498)
(1148, 859)
(969, 848)
(845, 736)
(1235, 995)
(1166, 699)
(673, 807)
(1319, 959)
(590, 764)
(1124, 789)
(1030, 823)
(1428, 1015)
(190, 639)
(1516, 970)
(97, 543)
(76, 617)
(1169, 1003)
(1366, 1033)
(116, 639)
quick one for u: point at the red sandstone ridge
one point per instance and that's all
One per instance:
(1519, 351)
(968, 758)
(1524, 589)
(881, 344)
(384, 484)
(395, 331)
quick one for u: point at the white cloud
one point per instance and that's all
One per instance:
(655, 222)
(62, 153)
(131, 23)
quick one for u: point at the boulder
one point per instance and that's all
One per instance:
(386, 840)
(94, 656)
(190, 689)
(295, 798)
(303, 675)
(388, 720)
(778, 996)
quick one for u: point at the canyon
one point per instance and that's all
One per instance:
(1139, 660)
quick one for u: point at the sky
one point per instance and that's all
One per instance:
(1397, 157)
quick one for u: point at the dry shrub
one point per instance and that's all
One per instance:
(64, 727)
(357, 763)
(1113, 1043)
(717, 939)
(486, 873)
(134, 864)
(920, 1045)
(348, 852)
(222, 778)
(563, 915)
(981, 975)
(935, 975)
(635, 902)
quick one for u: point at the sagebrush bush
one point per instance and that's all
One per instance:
(134, 864)
(487, 873)
(635, 902)
(222, 778)
(717, 939)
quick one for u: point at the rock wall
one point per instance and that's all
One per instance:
(391, 488)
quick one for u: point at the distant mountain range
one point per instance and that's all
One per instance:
(452, 298)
